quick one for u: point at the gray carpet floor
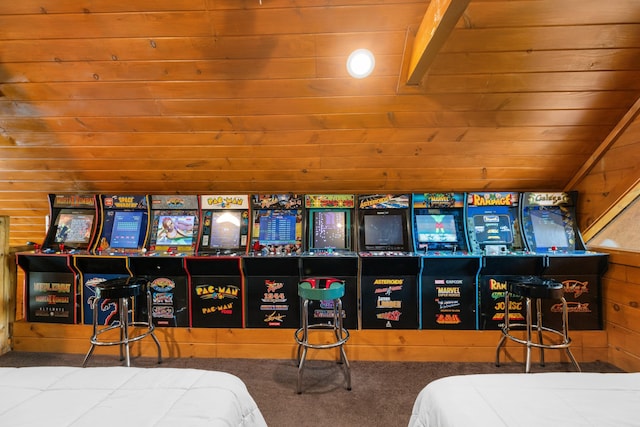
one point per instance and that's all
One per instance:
(382, 392)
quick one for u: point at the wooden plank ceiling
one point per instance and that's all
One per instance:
(219, 96)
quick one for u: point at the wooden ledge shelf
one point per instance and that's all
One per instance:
(368, 345)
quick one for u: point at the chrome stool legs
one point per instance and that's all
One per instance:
(335, 325)
(122, 290)
(529, 327)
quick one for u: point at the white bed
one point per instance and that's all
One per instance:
(70, 396)
(537, 400)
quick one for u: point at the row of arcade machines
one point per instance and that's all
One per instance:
(409, 261)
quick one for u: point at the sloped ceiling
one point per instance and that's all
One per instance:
(205, 96)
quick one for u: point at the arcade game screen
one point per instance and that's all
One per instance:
(384, 230)
(73, 228)
(330, 229)
(175, 230)
(277, 228)
(125, 233)
(549, 228)
(493, 229)
(225, 229)
(436, 228)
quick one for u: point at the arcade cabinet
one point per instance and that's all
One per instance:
(51, 289)
(73, 223)
(93, 270)
(550, 228)
(388, 267)
(449, 272)
(215, 276)
(330, 250)
(174, 226)
(494, 232)
(272, 266)
(549, 223)
(225, 225)
(277, 225)
(172, 236)
(122, 231)
(124, 226)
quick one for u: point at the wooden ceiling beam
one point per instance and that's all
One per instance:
(438, 22)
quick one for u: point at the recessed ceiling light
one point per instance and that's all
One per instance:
(360, 63)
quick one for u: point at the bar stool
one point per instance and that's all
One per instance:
(122, 290)
(315, 290)
(535, 288)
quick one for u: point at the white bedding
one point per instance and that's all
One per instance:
(120, 396)
(530, 400)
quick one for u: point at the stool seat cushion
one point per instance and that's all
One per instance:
(334, 291)
(121, 288)
(536, 287)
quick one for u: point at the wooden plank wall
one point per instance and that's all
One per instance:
(605, 182)
(621, 302)
(374, 345)
(196, 96)
(610, 176)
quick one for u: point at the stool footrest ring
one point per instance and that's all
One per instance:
(551, 346)
(300, 340)
(149, 330)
